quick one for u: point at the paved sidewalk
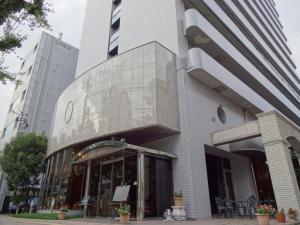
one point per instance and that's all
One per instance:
(7, 220)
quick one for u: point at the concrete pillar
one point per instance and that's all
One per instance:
(283, 175)
(87, 187)
(141, 186)
(279, 160)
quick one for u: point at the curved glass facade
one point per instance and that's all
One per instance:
(71, 177)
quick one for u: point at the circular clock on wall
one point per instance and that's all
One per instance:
(68, 112)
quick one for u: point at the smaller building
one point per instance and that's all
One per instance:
(47, 70)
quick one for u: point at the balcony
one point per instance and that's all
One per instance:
(208, 71)
(240, 62)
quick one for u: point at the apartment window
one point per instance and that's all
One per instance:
(22, 65)
(116, 2)
(23, 94)
(114, 43)
(29, 71)
(3, 133)
(9, 128)
(10, 107)
(16, 122)
(113, 47)
(115, 17)
(17, 85)
(35, 48)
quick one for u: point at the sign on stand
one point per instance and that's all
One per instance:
(121, 193)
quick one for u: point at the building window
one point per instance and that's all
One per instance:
(23, 63)
(16, 122)
(10, 107)
(113, 48)
(116, 2)
(4, 131)
(221, 114)
(114, 43)
(35, 48)
(23, 94)
(9, 128)
(29, 71)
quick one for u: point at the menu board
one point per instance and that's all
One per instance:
(121, 193)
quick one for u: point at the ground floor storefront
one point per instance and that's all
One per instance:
(240, 173)
(93, 174)
(7, 220)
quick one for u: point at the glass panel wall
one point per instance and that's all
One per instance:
(56, 179)
(63, 178)
(158, 186)
(76, 186)
(48, 196)
(65, 182)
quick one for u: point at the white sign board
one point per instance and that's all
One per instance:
(121, 193)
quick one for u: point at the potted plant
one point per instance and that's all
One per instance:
(62, 213)
(178, 198)
(280, 216)
(292, 213)
(263, 213)
(124, 212)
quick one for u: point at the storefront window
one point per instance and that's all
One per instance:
(56, 181)
(65, 182)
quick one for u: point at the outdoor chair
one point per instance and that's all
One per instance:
(221, 207)
(230, 208)
(241, 208)
(251, 206)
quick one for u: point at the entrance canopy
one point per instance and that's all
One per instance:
(108, 147)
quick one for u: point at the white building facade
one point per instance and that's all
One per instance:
(183, 80)
(46, 71)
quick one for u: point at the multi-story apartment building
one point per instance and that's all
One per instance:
(193, 95)
(46, 71)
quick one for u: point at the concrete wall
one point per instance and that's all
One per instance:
(54, 70)
(95, 35)
(141, 22)
(198, 118)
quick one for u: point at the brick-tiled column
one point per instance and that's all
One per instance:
(279, 160)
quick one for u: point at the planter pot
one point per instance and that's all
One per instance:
(124, 218)
(280, 218)
(263, 219)
(178, 201)
(61, 215)
(292, 216)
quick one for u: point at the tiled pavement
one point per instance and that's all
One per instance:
(7, 220)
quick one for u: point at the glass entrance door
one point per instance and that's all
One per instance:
(111, 177)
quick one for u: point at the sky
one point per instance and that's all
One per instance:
(68, 19)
